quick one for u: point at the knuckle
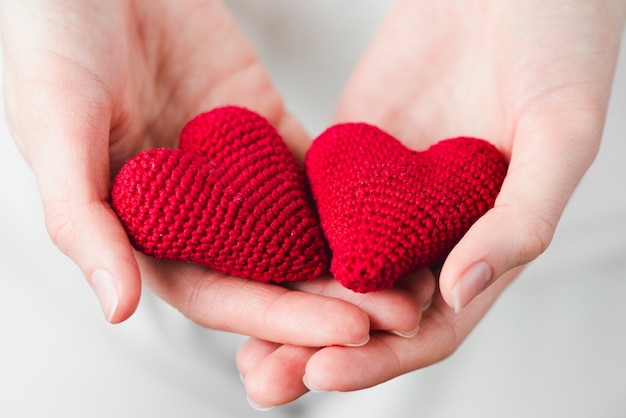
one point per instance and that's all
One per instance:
(531, 233)
(536, 237)
(60, 227)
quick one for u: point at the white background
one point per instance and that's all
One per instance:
(551, 346)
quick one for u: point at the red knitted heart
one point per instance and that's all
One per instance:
(232, 197)
(387, 211)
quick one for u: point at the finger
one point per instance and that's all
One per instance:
(66, 143)
(422, 285)
(398, 310)
(272, 372)
(548, 160)
(237, 78)
(60, 117)
(261, 310)
(557, 98)
(387, 356)
(252, 352)
(277, 379)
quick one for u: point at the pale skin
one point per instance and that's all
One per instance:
(89, 83)
(533, 77)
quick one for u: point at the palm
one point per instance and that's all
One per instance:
(123, 76)
(427, 81)
(475, 68)
(179, 70)
(141, 69)
(531, 77)
(91, 84)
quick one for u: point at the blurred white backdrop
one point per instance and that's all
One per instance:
(551, 346)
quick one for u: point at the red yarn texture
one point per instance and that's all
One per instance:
(387, 211)
(233, 197)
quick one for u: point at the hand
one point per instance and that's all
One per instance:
(273, 372)
(532, 77)
(276, 374)
(91, 83)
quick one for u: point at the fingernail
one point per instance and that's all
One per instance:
(361, 344)
(106, 292)
(471, 284)
(409, 334)
(309, 387)
(257, 406)
(427, 304)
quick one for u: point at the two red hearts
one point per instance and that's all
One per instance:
(234, 198)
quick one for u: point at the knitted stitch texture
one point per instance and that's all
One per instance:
(232, 197)
(387, 211)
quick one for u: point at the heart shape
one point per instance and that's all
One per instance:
(387, 211)
(232, 197)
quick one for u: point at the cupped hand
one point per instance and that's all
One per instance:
(532, 77)
(88, 85)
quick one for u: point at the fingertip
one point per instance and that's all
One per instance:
(408, 334)
(93, 238)
(353, 330)
(360, 343)
(471, 283)
(397, 310)
(254, 405)
(331, 319)
(503, 239)
(105, 287)
(315, 320)
(117, 295)
(110, 266)
(251, 353)
(414, 294)
(471, 266)
(278, 378)
(324, 373)
(400, 314)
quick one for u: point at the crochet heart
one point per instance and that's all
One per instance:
(232, 197)
(387, 211)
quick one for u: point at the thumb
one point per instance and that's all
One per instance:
(66, 141)
(59, 112)
(548, 160)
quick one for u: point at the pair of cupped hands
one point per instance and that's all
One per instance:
(91, 83)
